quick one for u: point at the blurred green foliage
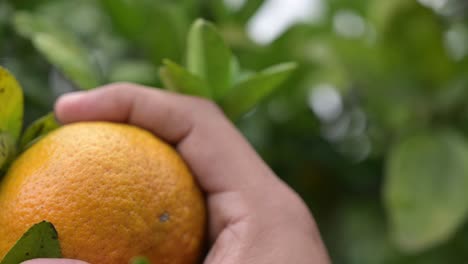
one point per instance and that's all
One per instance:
(371, 129)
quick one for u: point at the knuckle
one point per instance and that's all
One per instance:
(292, 205)
(211, 106)
(206, 105)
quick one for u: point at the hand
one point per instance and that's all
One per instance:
(253, 216)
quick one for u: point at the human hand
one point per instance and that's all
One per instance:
(253, 216)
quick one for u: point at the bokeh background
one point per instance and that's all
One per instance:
(370, 130)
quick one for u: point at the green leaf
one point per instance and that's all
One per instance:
(363, 218)
(209, 57)
(425, 188)
(219, 10)
(70, 58)
(40, 241)
(419, 50)
(156, 27)
(27, 25)
(139, 260)
(11, 101)
(238, 74)
(248, 93)
(248, 10)
(125, 15)
(134, 71)
(7, 150)
(38, 129)
(60, 48)
(178, 79)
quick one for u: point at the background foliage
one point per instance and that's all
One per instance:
(371, 129)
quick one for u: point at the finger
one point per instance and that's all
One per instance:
(152, 109)
(206, 139)
(54, 261)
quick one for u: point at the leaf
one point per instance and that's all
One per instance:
(209, 58)
(419, 50)
(134, 71)
(178, 79)
(60, 48)
(70, 58)
(125, 15)
(236, 73)
(27, 24)
(11, 104)
(38, 129)
(348, 224)
(40, 241)
(156, 27)
(246, 94)
(7, 150)
(139, 260)
(219, 10)
(248, 10)
(425, 189)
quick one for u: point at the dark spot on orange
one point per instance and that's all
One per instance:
(164, 217)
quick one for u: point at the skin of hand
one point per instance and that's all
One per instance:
(254, 218)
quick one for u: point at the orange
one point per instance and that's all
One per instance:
(112, 191)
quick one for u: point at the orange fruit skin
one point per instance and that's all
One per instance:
(112, 191)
